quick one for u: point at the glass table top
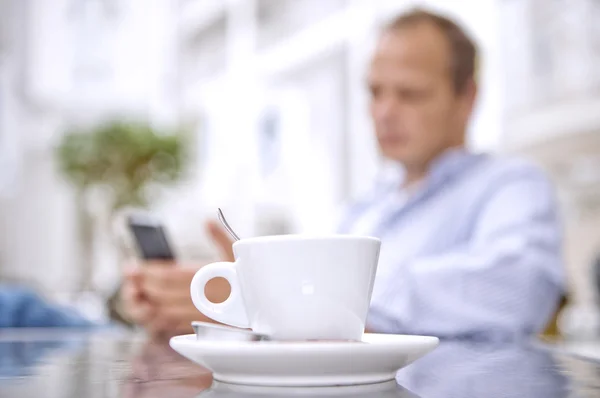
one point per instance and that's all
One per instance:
(59, 363)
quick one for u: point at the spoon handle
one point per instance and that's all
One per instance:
(226, 225)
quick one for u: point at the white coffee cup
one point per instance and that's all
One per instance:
(294, 287)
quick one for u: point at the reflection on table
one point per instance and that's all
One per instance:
(104, 365)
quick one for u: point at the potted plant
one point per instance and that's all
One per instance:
(123, 160)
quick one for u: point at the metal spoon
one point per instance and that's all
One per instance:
(210, 331)
(226, 225)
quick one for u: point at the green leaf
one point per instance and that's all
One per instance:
(125, 156)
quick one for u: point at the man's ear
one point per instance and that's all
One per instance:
(469, 97)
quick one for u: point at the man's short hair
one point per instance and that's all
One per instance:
(462, 48)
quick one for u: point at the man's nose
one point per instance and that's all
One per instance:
(386, 109)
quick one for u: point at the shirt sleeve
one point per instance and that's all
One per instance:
(507, 279)
(20, 307)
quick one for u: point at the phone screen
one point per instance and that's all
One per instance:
(151, 240)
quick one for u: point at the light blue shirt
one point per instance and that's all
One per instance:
(475, 250)
(23, 308)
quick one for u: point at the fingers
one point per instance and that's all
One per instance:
(168, 276)
(157, 296)
(133, 277)
(138, 308)
(221, 239)
(171, 286)
(165, 320)
(168, 285)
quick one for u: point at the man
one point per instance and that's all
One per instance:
(471, 244)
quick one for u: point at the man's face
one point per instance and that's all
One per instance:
(416, 112)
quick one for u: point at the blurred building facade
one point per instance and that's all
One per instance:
(275, 92)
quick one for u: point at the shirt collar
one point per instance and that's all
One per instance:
(448, 164)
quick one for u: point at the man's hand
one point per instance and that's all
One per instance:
(221, 239)
(157, 296)
(134, 302)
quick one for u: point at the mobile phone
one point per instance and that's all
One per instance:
(151, 238)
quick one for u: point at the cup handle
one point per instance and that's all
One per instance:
(231, 311)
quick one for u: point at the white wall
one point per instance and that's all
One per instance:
(69, 69)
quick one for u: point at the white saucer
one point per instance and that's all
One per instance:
(388, 389)
(269, 363)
